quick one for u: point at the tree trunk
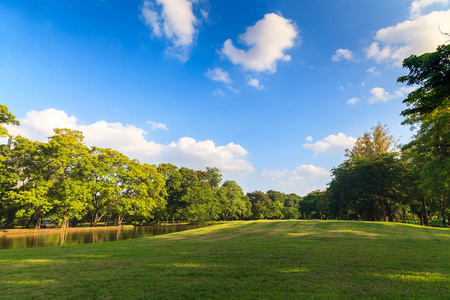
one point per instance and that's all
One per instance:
(390, 214)
(65, 223)
(424, 211)
(37, 225)
(444, 220)
(96, 219)
(119, 220)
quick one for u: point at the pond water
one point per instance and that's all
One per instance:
(97, 235)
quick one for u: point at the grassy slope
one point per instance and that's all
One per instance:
(260, 259)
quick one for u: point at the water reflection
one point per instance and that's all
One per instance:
(97, 235)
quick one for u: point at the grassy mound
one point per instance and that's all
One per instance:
(257, 259)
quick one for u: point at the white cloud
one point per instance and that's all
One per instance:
(267, 40)
(415, 10)
(255, 83)
(353, 101)
(381, 95)
(131, 141)
(232, 89)
(332, 144)
(218, 92)
(218, 74)
(341, 54)
(373, 72)
(341, 88)
(299, 173)
(309, 139)
(417, 36)
(175, 20)
(156, 125)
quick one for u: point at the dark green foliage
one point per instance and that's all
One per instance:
(429, 110)
(431, 72)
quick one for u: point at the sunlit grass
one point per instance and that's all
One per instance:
(242, 260)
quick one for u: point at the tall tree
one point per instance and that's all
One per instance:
(104, 170)
(69, 189)
(379, 141)
(429, 109)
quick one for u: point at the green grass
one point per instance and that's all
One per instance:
(242, 260)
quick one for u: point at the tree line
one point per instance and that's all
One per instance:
(68, 182)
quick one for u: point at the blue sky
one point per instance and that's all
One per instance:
(270, 92)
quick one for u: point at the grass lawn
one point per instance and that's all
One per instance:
(242, 260)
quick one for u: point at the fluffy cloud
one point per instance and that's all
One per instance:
(381, 95)
(332, 144)
(417, 6)
(174, 19)
(156, 125)
(416, 36)
(218, 74)
(267, 40)
(309, 139)
(353, 101)
(341, 54)
(255, 83)
(130, 140)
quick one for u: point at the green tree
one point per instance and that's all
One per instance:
(69, 190)
(277, 199)
(430, 72)
(104, 169)
(35, 169)
(261, 205)
(233, 203)
(311, 205)
(367, 188)
(428, 108)
(6, 118)
(378, 141)
(142, 190)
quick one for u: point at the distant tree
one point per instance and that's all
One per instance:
(290, 213)
(261, 205)
(292, 200)
(233, 203)
(277, 199)
(214, 177)
(379, 141)
(311, 205)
